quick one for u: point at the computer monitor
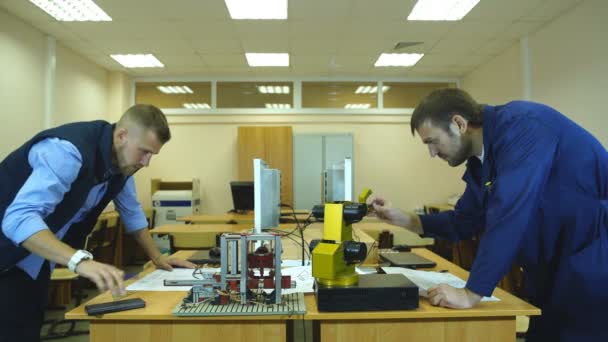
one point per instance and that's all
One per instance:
(267, 196)
(339, 182)
(242, 196)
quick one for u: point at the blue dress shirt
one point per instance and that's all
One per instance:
(55, 165)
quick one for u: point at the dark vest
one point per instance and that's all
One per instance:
(94, 142)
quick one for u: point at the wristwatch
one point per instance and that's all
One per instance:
(77, 258)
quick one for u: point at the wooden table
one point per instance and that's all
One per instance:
(154, 323)
(488, 321)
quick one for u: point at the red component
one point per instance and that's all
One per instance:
(268, 283)
(224, 299)
(260, 260)
(286, 282)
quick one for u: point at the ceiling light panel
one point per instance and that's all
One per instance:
(447, 10)
(138, 61)
(270, 89)
(278, 105)
(257, 9)
(72, 10)
(196, 105)
(175, 89)
(398, 59)
(370, 89)
(267, 59)
(357, 106)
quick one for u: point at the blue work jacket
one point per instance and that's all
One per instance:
(540, 198)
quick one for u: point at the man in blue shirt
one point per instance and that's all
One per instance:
(537, 191)
(52, 189)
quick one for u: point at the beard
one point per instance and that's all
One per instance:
(463, 152)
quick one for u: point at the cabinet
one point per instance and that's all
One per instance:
(274, 144)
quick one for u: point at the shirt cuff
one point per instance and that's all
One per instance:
(26, 228)
(479, 286)
(134, 222)
(435, 225)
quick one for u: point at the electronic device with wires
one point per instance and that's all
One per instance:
(267, 196)
(246, 272)
(338, 287)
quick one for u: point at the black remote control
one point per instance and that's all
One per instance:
(119, 305)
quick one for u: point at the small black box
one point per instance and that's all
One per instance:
(374, 292)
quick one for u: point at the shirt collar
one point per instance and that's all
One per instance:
(480, 157)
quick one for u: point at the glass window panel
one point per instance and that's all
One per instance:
(255, 95)
(351, 95)
(408, 95)
(174, 94)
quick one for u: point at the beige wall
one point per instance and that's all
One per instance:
(499, 80)
(386, 158)
(23, 58)
(119, 95)
(80, 89)
(568, 68)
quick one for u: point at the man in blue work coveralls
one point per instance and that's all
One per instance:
(537, 190)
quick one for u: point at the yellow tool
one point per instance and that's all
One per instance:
(334, 257)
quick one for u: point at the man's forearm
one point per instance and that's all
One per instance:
(144, 239)
(45, 244)
(413, 223)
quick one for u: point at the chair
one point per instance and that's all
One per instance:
(60, 294)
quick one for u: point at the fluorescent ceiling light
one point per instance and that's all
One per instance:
(398, 59)
(269, 89)
(370, 89)
(441, 9)
(357, 106)
(196, 106)
(278, 105)
(257, 9)
(72, 10)
(138, 61)
(267, 59)
(175, 89)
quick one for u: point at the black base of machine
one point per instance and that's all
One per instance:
(374, 292)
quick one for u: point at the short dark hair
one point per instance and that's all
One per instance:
(148, 117)
(442, 104)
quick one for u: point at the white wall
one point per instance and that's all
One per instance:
(23, 58)
(80, 89)
(497, 81)
(568, 68)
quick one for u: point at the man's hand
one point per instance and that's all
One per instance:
(383, 210)
(450, 297)
(166, 263)
(106, 277)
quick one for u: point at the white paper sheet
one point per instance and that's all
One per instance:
(155, 281)
(427, 279)
(303, 277)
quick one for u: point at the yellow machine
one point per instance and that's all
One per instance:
(334, 257)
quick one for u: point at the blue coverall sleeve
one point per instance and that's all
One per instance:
(458, 224)
(523, 154)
